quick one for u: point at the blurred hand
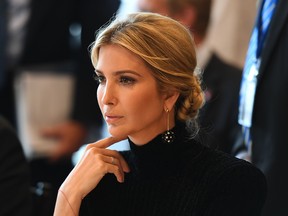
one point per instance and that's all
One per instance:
(70, 137)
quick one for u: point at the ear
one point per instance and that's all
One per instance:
(187, 16)
(170, 100)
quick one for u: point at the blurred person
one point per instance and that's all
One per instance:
(232, 22)
(221, 81)
(16, 198)
(263, 107)
(224, 37)
(154, 6)
(150, 92)
(51, 70)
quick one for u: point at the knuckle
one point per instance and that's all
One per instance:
(92, 150)
(88, 146)
(101, 165)
(98, 157)
(114, 153)
(117, 169)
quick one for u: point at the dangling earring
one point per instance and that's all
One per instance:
(168, 136)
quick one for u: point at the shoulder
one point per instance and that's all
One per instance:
(11, 150)
(226, 164)
(221, 74)
(14, 171)
(217, 70)
(242, 186)
(10, 146)
(237, 175)
(222, 168)
(9, 138)
(233, 184)
(216, 61)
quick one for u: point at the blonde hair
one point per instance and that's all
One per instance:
(167, 48)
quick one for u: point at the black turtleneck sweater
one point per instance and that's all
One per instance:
(177, 179)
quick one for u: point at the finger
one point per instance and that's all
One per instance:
(106, 142)
(124, 164)
(115, 162)
(105, 164)
(117, 156)
(108, 152)
(116, 170)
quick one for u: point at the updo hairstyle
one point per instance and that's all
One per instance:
(167, 48)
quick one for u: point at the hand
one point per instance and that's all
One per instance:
(70, 136)
(95, 163)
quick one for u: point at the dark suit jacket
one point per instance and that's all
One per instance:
(15, 198)
(218, 117)
(270, 116)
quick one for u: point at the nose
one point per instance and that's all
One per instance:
(107, 94)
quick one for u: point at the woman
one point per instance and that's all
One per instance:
(149, 92)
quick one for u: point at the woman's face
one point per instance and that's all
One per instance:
(128, 96)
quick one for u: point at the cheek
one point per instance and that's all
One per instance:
(99, 95)
(144, 106)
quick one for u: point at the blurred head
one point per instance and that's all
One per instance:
(194, 14)
(154, 6)
(158, 50)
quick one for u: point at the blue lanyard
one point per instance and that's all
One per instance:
(253, 61)
(261, 35)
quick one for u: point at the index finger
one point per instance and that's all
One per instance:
(106, 142)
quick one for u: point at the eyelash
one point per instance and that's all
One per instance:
(124, 80)
(98, 78)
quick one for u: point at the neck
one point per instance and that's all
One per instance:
(146, 135)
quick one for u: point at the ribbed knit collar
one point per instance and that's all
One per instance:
(157, 156)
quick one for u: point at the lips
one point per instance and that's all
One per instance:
(110, 118)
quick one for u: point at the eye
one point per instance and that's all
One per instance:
(125, 80)
(99, 78)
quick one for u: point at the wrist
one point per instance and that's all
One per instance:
(71, 193)
(66, 200)
(65, 205)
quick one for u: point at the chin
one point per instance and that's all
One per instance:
(116, 131)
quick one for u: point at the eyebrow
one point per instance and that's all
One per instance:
(121, 72)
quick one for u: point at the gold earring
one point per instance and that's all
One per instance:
(168, 136)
